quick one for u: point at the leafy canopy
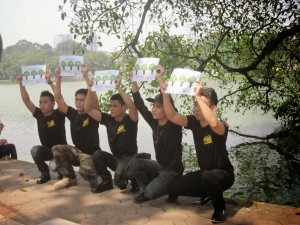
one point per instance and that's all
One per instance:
(250, 47)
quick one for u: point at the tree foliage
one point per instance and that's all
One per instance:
(26, 53)
(251, 47)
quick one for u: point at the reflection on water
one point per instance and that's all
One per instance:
(264, 175)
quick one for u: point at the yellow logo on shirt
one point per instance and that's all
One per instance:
(121, 129)
(85, 122)
(50, 123)
(207, 140)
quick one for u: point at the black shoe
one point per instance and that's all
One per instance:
(103, 186)
(122, 184)
(218, 216)
(134, 187)
(60, 176)
(172, 198)
(141, 198)
(43, 178)
(202, 201)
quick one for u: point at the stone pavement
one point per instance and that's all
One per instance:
(22, 201)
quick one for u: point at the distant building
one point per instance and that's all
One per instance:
(61, 38)
(65, 37)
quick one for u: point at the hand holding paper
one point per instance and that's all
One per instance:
(183, 81)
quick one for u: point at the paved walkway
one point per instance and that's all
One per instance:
(22, 201)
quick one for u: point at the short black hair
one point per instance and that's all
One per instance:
(83, 91)
(47, 94)
(211, 94)
(117, 97)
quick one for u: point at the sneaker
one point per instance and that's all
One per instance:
(218, 216)
(65, 183)
(134, 187)
(122, 184)
(105, 185)
(141, 198)
(45, 177)
(172, 198)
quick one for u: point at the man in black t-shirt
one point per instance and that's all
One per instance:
(51, 127)
(121, 132)
(85, 137)
(154, 176)
(210, 134)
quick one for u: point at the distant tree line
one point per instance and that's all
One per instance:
(25, 53)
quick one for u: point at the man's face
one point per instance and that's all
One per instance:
(116, 109)
(197, 109)
(46, 105)
(158, 111)
(79, 102)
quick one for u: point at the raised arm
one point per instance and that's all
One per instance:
(208, 112)
(48, 79)
(62, 105)
(25, 96)
(89, 107)
(133, 113)
(134, 85)
(159, 73)
(170, 111)
(89, 83)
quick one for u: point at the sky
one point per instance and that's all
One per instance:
(37, 21)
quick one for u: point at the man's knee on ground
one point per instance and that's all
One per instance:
(35, 150)
(97, 155)
(58, 150)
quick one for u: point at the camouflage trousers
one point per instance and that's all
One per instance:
(67, 156)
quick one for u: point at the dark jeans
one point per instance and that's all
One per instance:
(151, 176)
(40, 154)
(203, 182)
(104, 160)
(8, 150)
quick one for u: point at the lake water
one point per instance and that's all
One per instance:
(261, 173)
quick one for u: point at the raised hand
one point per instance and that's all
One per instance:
(84, 70)
(48, 76)
(198, 88)
(159, 71)
(20, 78)
(118, 82)
(57, 71)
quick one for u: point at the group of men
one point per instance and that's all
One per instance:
(152, 178)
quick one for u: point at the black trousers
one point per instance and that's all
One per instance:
(203, 182)
(8, 150)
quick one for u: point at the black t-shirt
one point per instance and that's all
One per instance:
(166, 139)
(210, 147)
(121, 135)
(51, 128)
(84, 131)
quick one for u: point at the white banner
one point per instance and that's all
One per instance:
(145, 69)
(183, 81)
(34, 74)
(70, 65)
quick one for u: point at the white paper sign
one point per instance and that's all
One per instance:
(183, 81)
(104, 80)
(70, 65)
(34, 74)
(145, 69)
